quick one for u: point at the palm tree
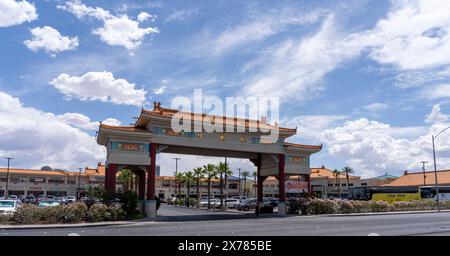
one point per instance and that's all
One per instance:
(222, 169)
(199, 174)
(210, 171)
(188, 178)
(336, 173)
(255, 175)
(245, 174)
(124, 178)
(179, 179)
(347, 170)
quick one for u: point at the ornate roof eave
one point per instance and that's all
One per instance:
(106, 131)
(146, 115)
(302, 147)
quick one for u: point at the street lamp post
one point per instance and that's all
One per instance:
(424, 176)
(433, 137)
(239, 170)
(176, 164)
(7, 177)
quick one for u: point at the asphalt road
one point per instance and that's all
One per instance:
(178, 221)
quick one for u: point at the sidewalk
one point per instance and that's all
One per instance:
(374, 213)
(72, 225)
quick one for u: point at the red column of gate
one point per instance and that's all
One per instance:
(151, 170)
(281, 178)
(111, 178)
(259, 183)
(141, 193)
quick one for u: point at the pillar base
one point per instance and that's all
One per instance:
(150, 208)
(282, 209)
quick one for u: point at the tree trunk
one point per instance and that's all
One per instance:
(245, 185)
(209, 192)
(198, 192)
(221, 191)
(188, 193)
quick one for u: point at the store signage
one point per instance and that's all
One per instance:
(298, 159)
(296, 186)
(131, 146)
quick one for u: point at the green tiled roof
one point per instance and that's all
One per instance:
(386, 176)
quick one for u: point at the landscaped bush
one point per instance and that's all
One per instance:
(129, 201)
(75, 212)
(53, 214)
(323, 206)
(6, 218)
(98, 212)
(27, 214)
(345, 206)
(192, 202)
(379, 206)
(116, 211)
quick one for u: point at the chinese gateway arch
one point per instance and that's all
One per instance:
(135, 148)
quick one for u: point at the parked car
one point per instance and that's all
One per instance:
(40, 198)
(212, 202)
(250, 204)
(240, 198)
(273, 201)
(9, 206)
(70, 199)
(231, 202)
(49, 203)
(29, 199)
(12, 197)
(21, 198)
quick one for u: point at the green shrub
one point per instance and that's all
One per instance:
(52, 214)
(6, 218)
(98, 212)
(345, 206)
(75, 212)
(323, 206)
(193, 202)
(116, 211)
(129, 201)
(27, 214)
(379, 206)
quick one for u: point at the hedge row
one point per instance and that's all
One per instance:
(326, 206)
(71, 213)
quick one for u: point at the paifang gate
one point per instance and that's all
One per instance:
(135, 148)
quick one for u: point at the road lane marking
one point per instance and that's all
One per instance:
(73, 234)
(373, 234)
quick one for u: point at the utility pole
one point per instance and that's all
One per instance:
(176, 164)
(239, 170)
(7, 177)
(79, 183)
(423, 169)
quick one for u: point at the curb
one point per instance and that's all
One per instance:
(374, 213)
(76, 225)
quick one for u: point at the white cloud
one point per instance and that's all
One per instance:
(181, 15)
(100, 86)
(310, 127)
(294, 69)
(16, 12)
(373, 148)
(377, 106)
(143, 16)
(124, 32)
(78, 120)
(261, 26)
(50, 40)
(436, 116)
(36, 138)
(118, 30)
(159, 90)
(436, 92)
(112, 121)
(414, 35)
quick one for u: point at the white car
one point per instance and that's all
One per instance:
(212, 203)
(9, 206)
(231, 202)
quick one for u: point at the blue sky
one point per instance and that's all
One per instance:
(367, 79)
